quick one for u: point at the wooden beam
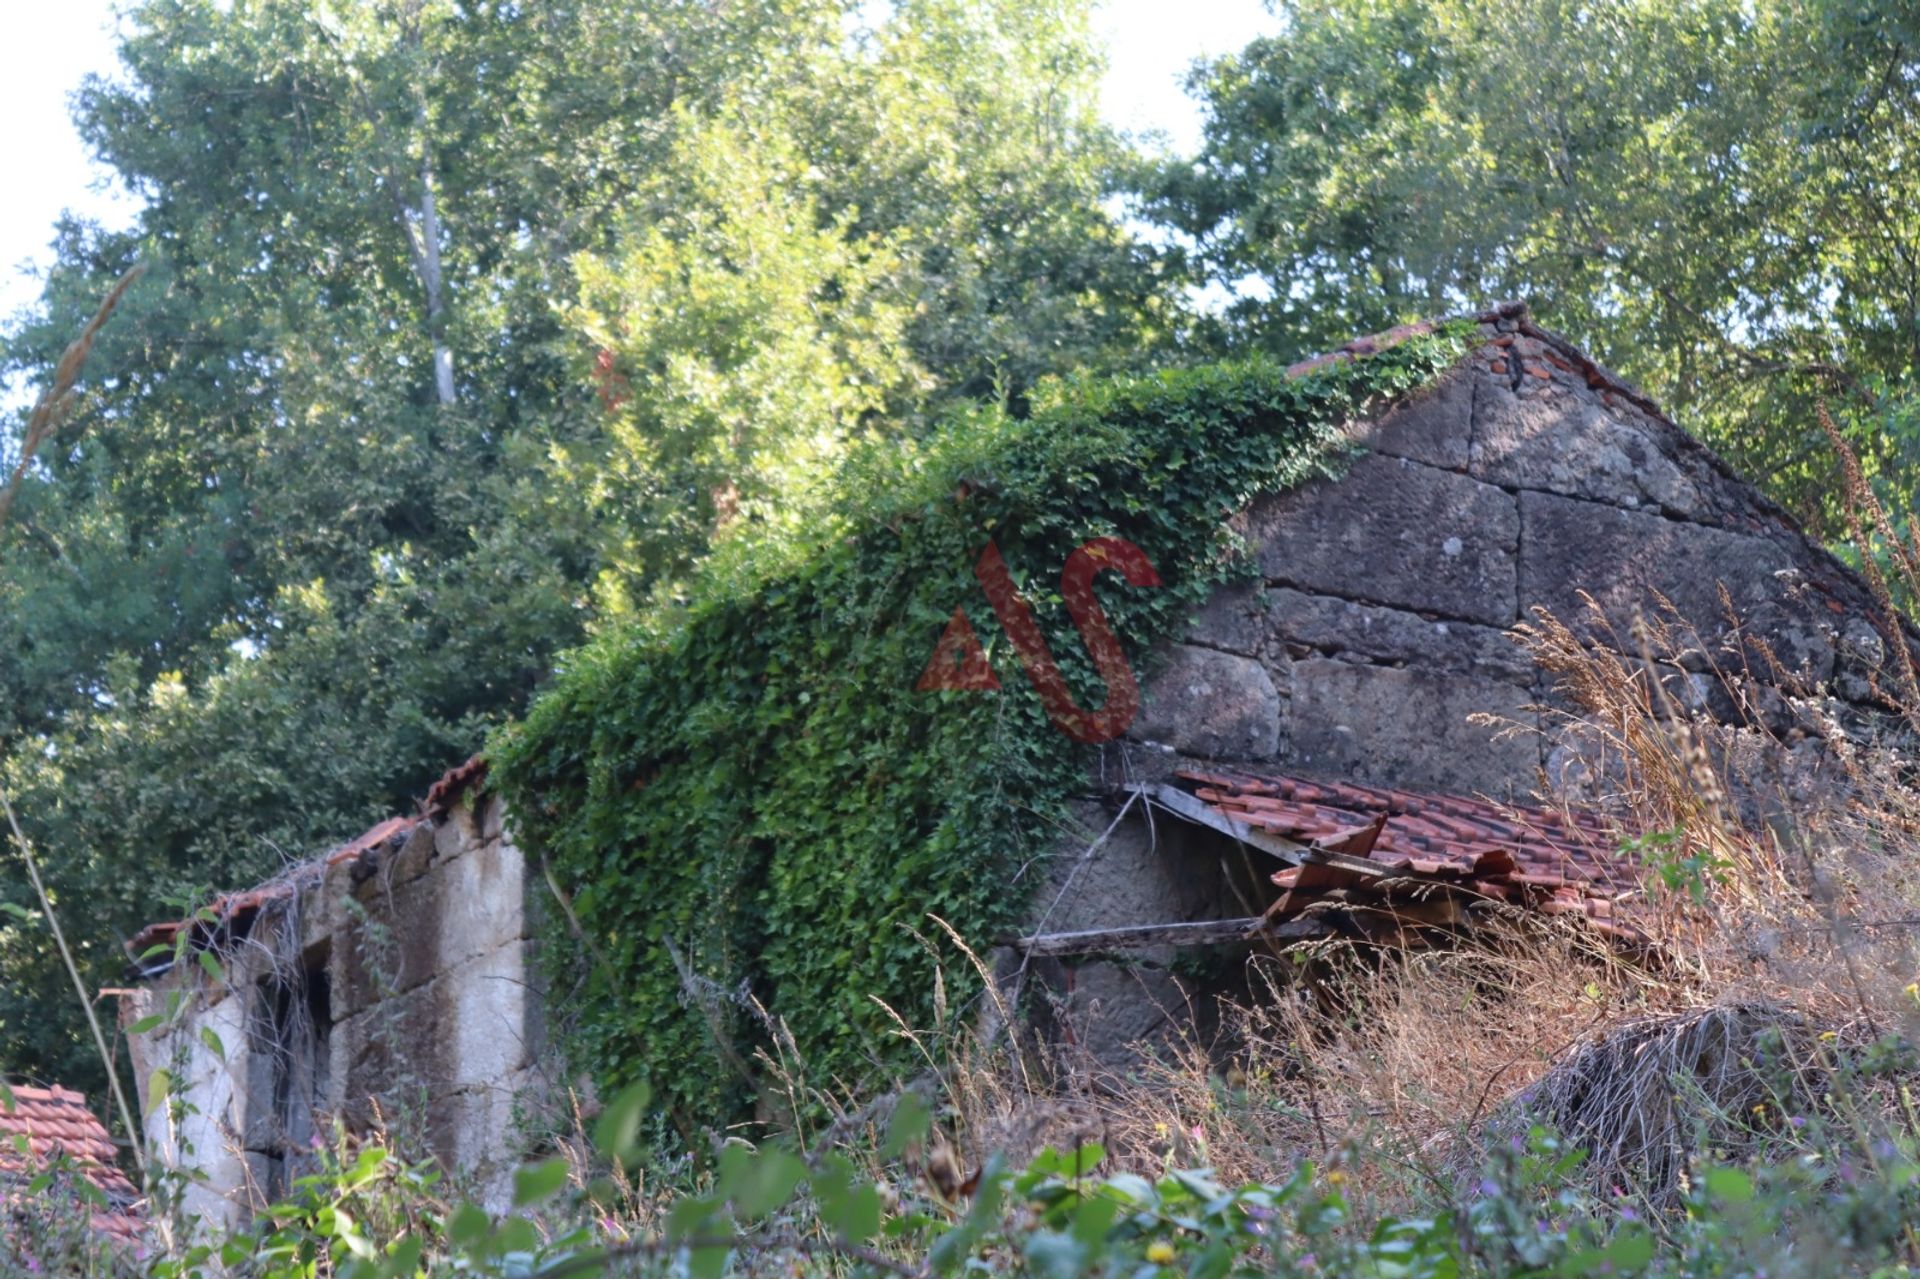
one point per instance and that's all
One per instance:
(1293, 852)
(1205, 932)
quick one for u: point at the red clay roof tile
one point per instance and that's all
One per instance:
(1558, 862)
(235, 911)
(442, 795)
(53, 1122)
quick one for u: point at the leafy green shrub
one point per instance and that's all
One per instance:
(772, 1210)
(46, 1224)
(365, 1210)
(749, 798)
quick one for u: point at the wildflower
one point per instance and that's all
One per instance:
(1336, 1178)
(1160, 1252)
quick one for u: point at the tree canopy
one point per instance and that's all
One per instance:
(464, 324)
(1715, 196)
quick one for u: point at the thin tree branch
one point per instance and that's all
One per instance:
(52, 407)
(422, 240)
(79, 983)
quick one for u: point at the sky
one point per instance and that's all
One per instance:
(50, 49)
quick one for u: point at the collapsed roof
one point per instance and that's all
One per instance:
(1394, 860)
(230, 915)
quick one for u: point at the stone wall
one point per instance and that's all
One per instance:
(393, 987)
(1377, 644)
(1525, 479)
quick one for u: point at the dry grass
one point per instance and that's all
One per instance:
(1782, 906)
(51, 410)
(1776, 944)
(1641, 1098)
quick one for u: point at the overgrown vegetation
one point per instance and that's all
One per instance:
(466, 330)
(751, 807)
(695, 351)
(986, 1168)
(1535, 1104)
(777, 1211)
(346, 472)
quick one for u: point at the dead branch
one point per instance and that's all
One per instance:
(52, 408)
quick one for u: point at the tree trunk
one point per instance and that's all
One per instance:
(430, 277)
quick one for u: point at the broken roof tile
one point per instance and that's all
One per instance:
(1553, 861)
(233, 913)
(455, 782)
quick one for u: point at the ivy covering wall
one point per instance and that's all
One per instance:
(750, 799)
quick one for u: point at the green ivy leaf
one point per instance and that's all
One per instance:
(616, 1136)
(911, 1121)
(1728, 1185)
(538, 1182)
(765, 1181)
(468, 1225)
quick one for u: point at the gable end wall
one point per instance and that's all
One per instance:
(1376, 646)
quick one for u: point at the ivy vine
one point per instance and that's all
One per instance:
(747, 803)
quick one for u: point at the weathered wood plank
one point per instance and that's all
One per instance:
(1138, 937)
(1204, 932)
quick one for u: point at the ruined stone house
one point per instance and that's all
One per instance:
(1367, 698)
(390, 983)
(1349, 715)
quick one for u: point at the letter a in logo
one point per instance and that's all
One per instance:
(958, 662)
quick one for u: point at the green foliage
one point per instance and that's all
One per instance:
(276, 573)
(45, 1220)
(1716, 197)
(750, 801)
(364, 1211)
(1681, 868)
(769, 1210)
(749, 339)
(830, 249)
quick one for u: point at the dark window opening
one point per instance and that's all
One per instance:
(291, 1033)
